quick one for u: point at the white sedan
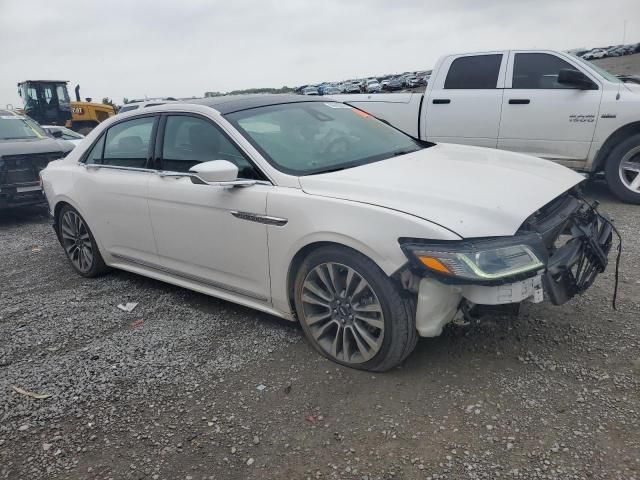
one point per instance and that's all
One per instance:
(317, 212)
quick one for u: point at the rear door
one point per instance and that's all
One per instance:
(112, 190)
(463, 105)
(543, 117)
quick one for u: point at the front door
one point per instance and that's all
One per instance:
(543, 117)
(463, 106)
(203, 232)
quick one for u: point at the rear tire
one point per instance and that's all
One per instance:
(351, 311)
(622, 170)
(78, 243)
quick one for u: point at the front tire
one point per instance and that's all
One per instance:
(351, 312)
(79, 244)
(622, 170)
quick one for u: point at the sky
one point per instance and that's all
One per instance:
(138, 48)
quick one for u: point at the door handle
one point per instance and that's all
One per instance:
(441, 101)
(519, 101)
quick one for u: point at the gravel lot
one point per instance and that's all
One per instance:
(190, 387)
(628, 64)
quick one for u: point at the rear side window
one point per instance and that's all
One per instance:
(475, 72)
(127, 143)
(538, 71)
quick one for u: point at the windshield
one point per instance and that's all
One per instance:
(601, 71)
(16, 127)
(317, 137)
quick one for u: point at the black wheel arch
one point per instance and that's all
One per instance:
(609, 144)
(56, 217)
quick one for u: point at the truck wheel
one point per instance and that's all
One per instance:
(351, 312)
(622, 170)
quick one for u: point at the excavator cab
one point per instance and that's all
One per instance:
(46, 101)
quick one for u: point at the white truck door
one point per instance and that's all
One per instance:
(543, 117)
(463, 104)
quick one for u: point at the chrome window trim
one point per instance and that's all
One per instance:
(116, 167)
(169, 173)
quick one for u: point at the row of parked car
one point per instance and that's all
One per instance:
(611, 51)
(387, 83)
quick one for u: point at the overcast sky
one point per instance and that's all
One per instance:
(136, 48)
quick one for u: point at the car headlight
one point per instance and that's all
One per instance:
(479, 261)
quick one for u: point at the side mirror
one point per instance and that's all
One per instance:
(219, 173)
(56, 133)
(576, 79)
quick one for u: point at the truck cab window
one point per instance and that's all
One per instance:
(538, 71)
(475, 72)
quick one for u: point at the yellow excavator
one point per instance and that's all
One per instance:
(47, 102)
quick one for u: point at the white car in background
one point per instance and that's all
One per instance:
(315, 211)
(595, 55)
(127, 107)
(64, 133)
(373, 86)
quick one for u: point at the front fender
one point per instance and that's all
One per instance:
(371, 230)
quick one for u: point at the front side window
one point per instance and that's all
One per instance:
(192, 140)
(315, 137)
(63, 96)
(476, 72)
(127, 143)
(538, 71)
(95, 155)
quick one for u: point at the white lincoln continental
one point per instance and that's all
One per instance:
(317, 212)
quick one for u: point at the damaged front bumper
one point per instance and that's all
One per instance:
(577, 240)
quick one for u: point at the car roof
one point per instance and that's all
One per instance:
(235, 103)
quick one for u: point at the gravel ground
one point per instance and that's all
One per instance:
(190, 387)
(628, 64)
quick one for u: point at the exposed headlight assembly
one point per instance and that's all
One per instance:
(488, 261)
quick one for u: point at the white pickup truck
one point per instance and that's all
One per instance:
(544, 103)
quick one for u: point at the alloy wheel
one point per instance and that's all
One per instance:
(630, 170)
(342, 313)
(76, 241)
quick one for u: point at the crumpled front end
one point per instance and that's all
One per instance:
(556, 254)
(578, 239)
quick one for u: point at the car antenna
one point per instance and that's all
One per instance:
(624, 35)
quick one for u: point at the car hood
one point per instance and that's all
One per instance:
(472, 191)
(35, 145)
